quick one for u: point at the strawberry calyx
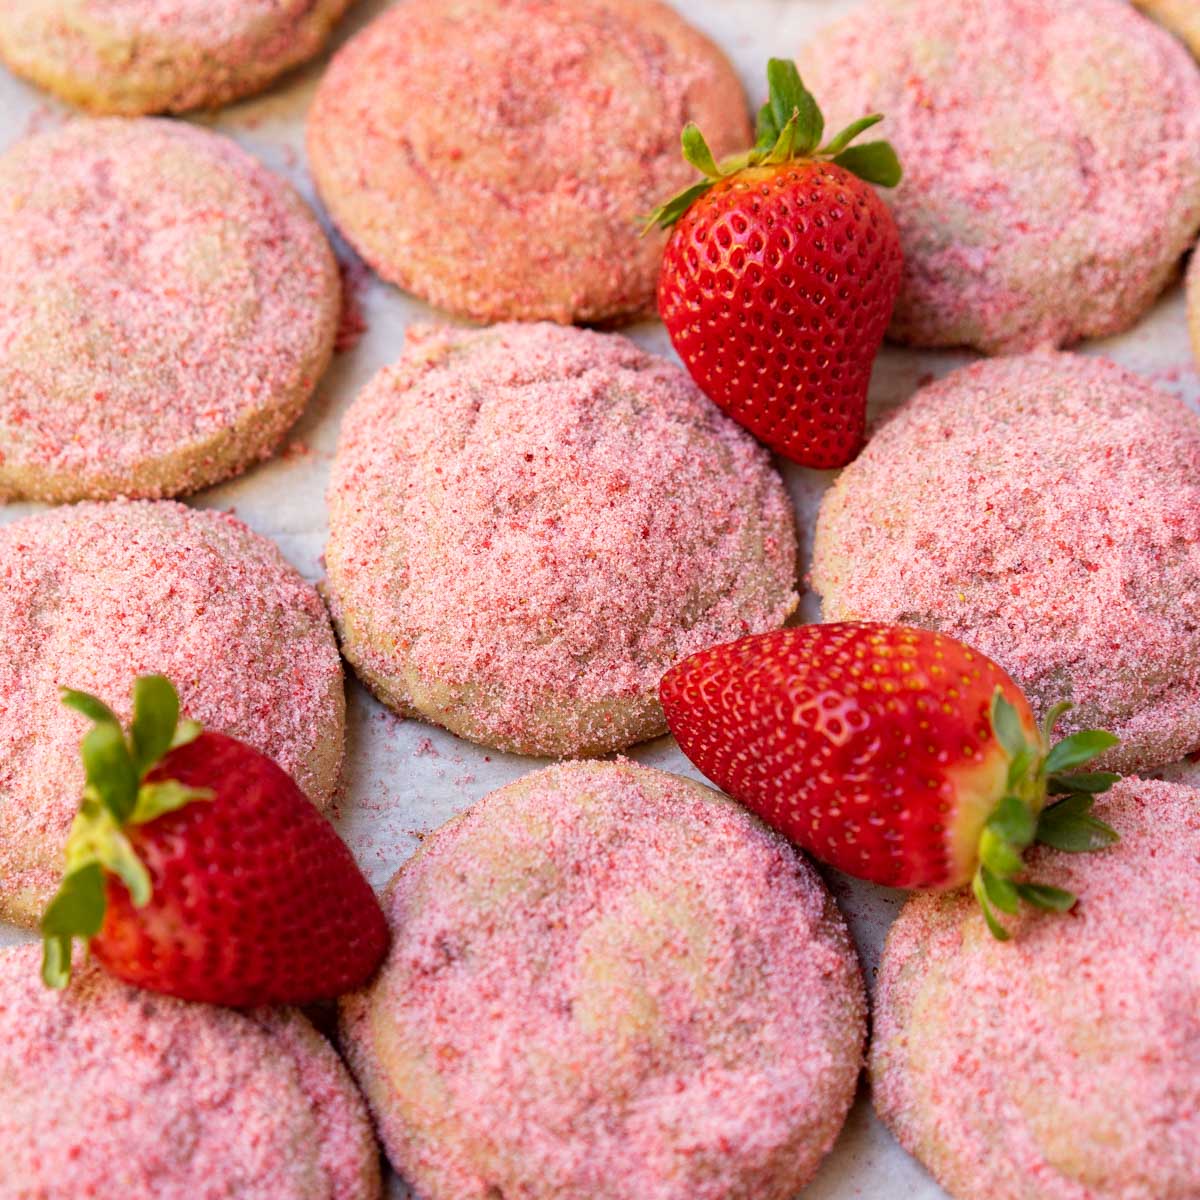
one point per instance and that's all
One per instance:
(116, 796)
(790, 126)
(1023, 817)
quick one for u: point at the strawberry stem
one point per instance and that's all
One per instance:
(1023, 818)
(790, 126)
(115, 796)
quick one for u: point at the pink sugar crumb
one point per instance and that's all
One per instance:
(623, 986)
(112, 1092)
(1065, 1063)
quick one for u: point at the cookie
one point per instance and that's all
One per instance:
(118, 1094)
(609, 982)
(529, 524)
(95, 595)
(1051, 155)
(499, 157)
(131, 57)
(1065, 1064)
(167, 307)
(1045, 510)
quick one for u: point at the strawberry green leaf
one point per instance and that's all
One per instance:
(1094, 782)
(785, 147)
(837, 144)
(157, 799)
(766, 132)
(1001, 892)
(93, 709)
(1053, 717)
(78, 906)
(696, 151)
(1078, 749)
(186, 731)
(1013, 821)
(110, 770)
(56, 962)
(1069, 826)
(876, 162)
(789, 97)
(1006, 724)
(121, 859)
(997, 854)
(979, 888)
(77, 910)
(665, 215)
(155, 716)
(1018, 766)
(1041, 895)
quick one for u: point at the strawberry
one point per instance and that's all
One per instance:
(781, 273)
(198, 868)
(894, 754)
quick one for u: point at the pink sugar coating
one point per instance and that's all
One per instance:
(108, 1092)
(212, 24)
(625, 986)
(160, 288)
(95, 594)
(1051, 154)
(1086, 1021)
(1045, 510)
(552, 512)
(522, 195)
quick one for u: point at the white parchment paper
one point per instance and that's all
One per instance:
(403, 777)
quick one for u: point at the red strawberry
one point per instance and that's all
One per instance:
(894, 754)
(198, 868)
(781, 274)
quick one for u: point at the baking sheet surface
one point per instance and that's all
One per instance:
(404, 777)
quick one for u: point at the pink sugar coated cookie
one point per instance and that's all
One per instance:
(1065, 1064)
(95, 595)
(499, 157)
(608, 982)
(111, 1093)
(1051, 159)
(145, 56)
(1045, 510)
(529, 524)
(167, 306)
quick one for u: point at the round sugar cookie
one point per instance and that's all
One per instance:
(1046, 510)
(499, 158)
(93, 596)
(1051, 160)
(119, 1094)
(167, 306)
(608, 982)
(1064, 1064)
(530, 523)
(131, 57)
